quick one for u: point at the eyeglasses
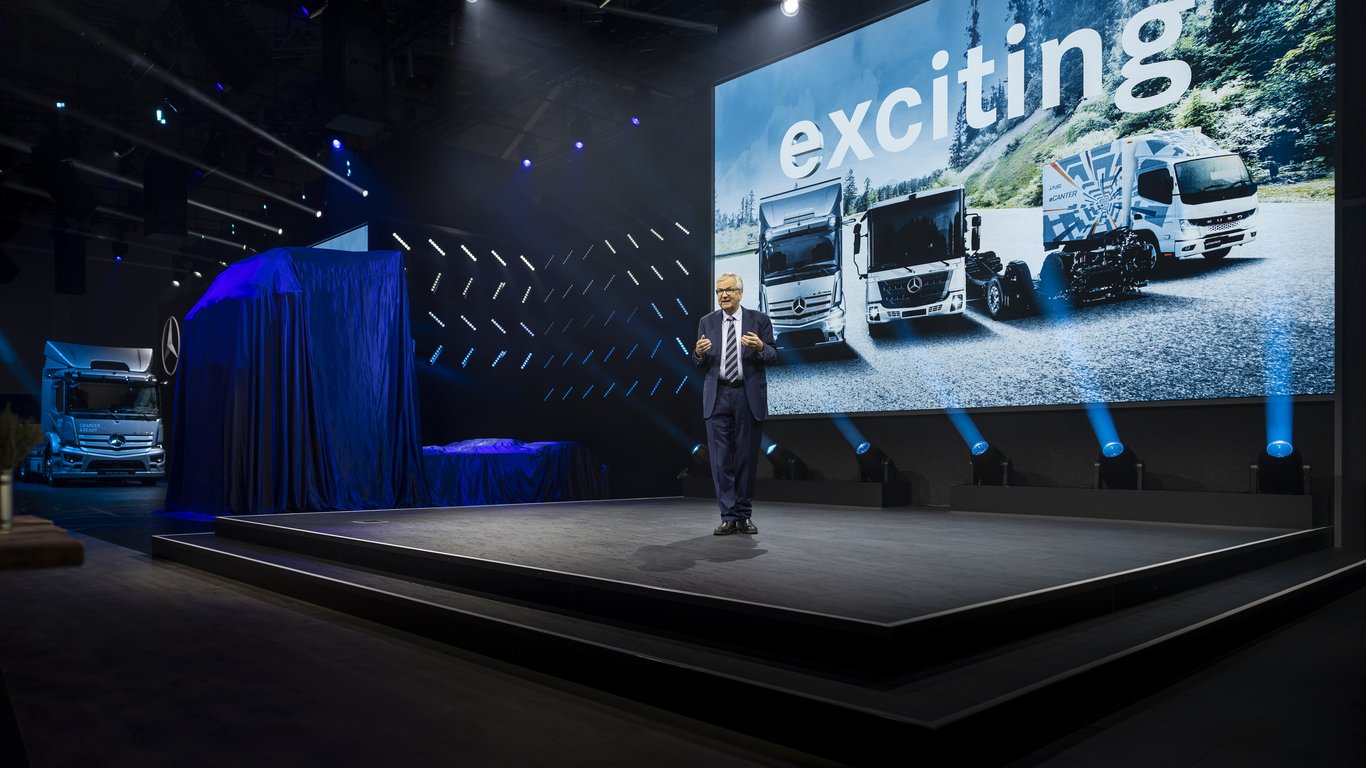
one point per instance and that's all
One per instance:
(720, 291)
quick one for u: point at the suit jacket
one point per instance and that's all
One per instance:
(752, 363)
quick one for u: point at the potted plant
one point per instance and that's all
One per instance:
(17, 437)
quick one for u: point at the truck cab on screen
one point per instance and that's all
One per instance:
(800, 263)
(915, 256)
(1177, 191)
(101, 416)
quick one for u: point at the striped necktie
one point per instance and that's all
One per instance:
(732, 371)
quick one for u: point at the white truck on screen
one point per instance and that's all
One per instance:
(800, 264)
(1110, 213)
(101, 416)
(1177, 191)
(915, 258)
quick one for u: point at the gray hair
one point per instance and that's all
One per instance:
(739, 281)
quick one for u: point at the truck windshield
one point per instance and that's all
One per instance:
(135, 397)
(913, 233)
(1210, 179)
(808, 254)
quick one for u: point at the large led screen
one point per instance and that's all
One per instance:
(1004, 203)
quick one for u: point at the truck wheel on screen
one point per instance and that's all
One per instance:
(1019, 286)
(1217, 254)
(1152, 252)
(48, 476)
(996, 298)
(1052, 277)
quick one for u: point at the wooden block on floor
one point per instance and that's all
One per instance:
(36, 543)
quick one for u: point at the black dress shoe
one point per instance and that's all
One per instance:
(745, 526)
(726, 528)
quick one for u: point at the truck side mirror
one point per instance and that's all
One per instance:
(975, 240)
(858, 237)
(1156, 185)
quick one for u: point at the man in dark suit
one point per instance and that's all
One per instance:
(733, 346)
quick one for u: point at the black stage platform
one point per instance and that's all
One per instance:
(836, 630)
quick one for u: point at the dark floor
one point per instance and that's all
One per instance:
(132, 661)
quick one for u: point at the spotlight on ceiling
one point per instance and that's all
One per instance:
(790, 7)
(578, 145)
(989, 465)
(1118, 467)
(526, 162)
(1280, 469)
(786, 464)
(336, 145)
(635, 120)
(873, 465)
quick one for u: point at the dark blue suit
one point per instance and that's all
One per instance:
(735, 415)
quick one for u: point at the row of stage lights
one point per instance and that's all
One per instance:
(1279, 468)
(531, 149)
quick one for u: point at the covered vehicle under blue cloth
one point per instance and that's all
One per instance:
(296, 389)
(505, 471)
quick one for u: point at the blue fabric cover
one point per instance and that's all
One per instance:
(503, 471)
(295, 389)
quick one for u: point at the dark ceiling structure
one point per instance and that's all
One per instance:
(113, 111)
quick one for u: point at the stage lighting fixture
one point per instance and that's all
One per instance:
(786, 465)
(989, 465)
(790, 7)
(635, 120)
(530, 149)
(873, 465)
(1280, 469)
(699, 461)
(1118, 467)
(336, 145)
(578, 145)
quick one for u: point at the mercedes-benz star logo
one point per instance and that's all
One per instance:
(117, 440)
(798, 306)
(914, 284)
(170, 346)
